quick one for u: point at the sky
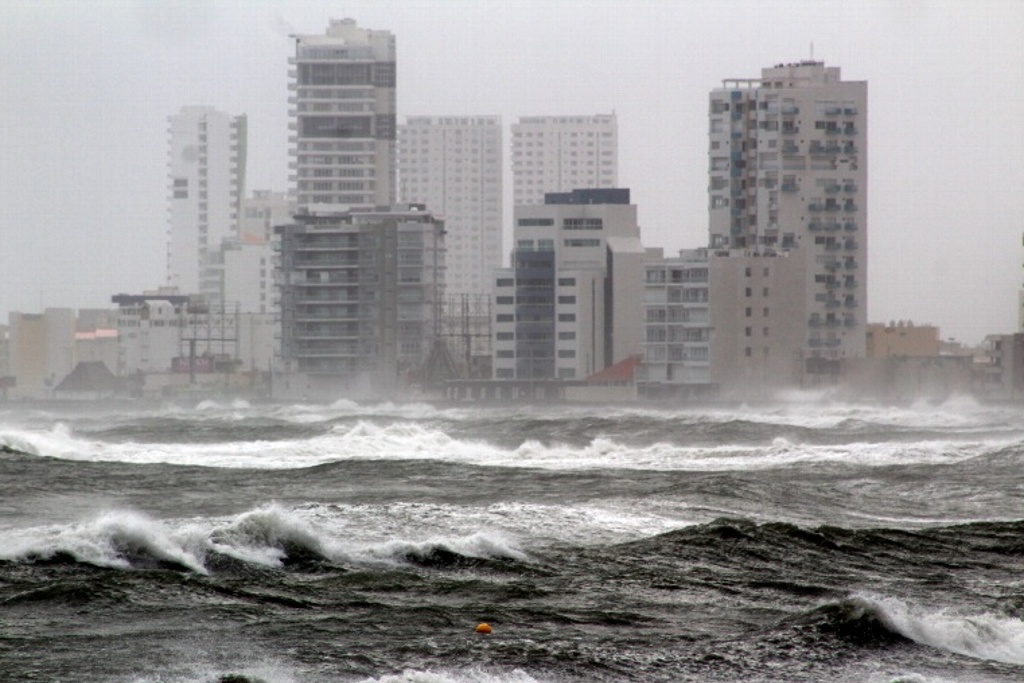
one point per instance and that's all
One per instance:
(86, 88)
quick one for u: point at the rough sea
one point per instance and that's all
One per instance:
(807, 540)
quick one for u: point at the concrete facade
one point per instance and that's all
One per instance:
(676, 326)
(554, 316)
(787, 163)
(453, 165)
(342, 130)
(360, 299)
(563, 153)
(903, 340)
(757, 309)
(41, 351)
(206, 183)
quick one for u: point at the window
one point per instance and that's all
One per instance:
(748, 292)
(566, 353)
(504, 373)
(748, 332)
(505, 353)
(505, 300)
(566, 299)
(764, 292)
(750, 311)
(566, 317)
(583, 243)
(566, 282)
(747, 352)
(506, 282)
(506, 318)
(748, 272)
(582, 224)
(765, 313)
(535, 222)
(566, 336)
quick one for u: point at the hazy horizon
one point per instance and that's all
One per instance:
(88, 88)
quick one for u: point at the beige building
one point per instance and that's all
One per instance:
(902, 340)
(787, 163)
(563, 153)
(758, 314)
(41, 351)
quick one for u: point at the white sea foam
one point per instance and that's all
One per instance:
(368, 535)
(982, 636)
(461, 676)
(112, 539)
(371, 440)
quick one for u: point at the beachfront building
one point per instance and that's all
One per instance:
(359, 299)
(787, 164)
(342, 129)
(568, 306)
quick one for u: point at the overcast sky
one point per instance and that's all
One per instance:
(87, 88)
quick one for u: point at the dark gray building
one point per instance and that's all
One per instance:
(360, 296)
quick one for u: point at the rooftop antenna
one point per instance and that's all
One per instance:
(812, 50)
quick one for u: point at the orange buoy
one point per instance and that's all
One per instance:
(484, 628)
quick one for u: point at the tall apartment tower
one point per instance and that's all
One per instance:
(453, 165)
(207, 153)
(342, 134)
(788, 173)
(563, 153)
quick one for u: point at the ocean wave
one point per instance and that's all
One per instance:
(269, 537)
(461, 676)
(984, 635)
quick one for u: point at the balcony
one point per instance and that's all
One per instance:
(790, 147)
(815, 206)
(833, 111)
(850, 245)
(849, 187)
(849, 226)
(789, 187)
(790, 130)
(850, 264)
(849, 148)
(850, 129)
(832, 188)
(849, 207)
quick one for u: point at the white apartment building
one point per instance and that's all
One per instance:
(206, 182)
(787, 164)
(677, 325)
(342, 129)
(563, 153)
(568, 307)
(453, 166)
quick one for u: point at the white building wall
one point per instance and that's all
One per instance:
(453, 165)
(573, 295)
(206, 176)
(563, 153)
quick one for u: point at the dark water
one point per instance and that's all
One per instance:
(227, 542)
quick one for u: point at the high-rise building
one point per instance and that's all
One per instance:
(360, 298)
(569, 305)
(788, 173)
(207, 154)
(453, 165)
(563, 153)
(343, 117)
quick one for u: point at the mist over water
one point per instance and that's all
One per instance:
(802, 541)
